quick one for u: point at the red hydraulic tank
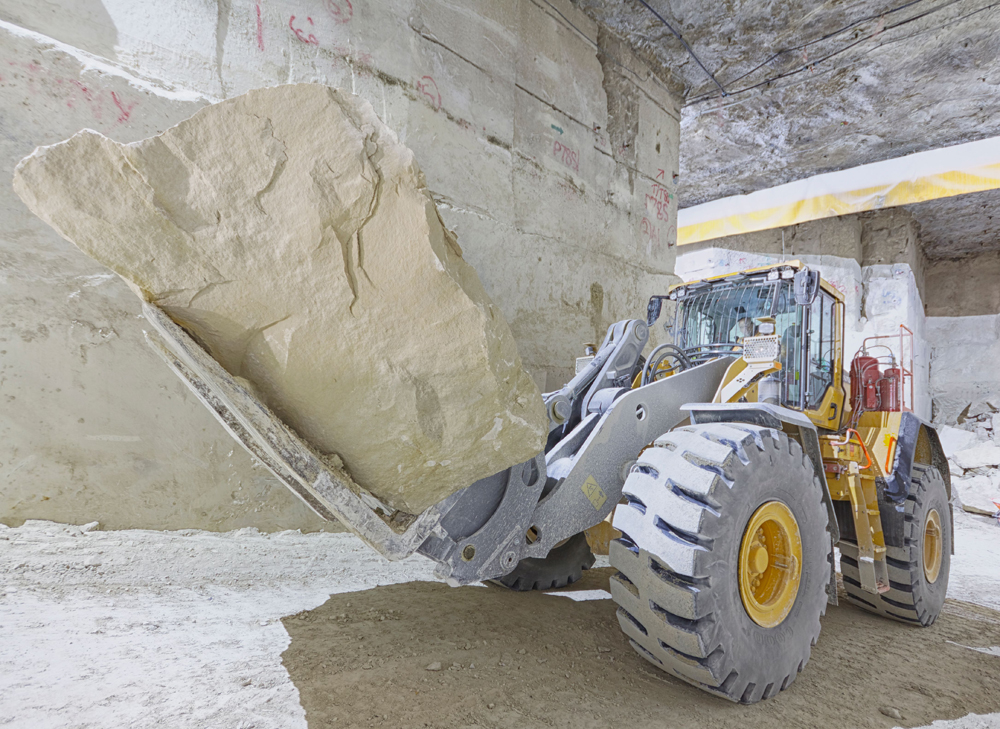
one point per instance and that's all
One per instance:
(888, 389)
(864, 392)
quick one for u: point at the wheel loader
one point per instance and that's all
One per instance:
(730, 461)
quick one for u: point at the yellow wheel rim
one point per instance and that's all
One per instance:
(933, 547)
(770, 566)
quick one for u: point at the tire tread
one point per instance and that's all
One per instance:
(663, 586)
(904, 600)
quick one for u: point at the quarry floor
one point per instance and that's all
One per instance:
(243, 629)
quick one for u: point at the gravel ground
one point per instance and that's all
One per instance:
(193, 629)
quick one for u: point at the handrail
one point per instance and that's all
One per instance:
(864, 449)
(890, 454)
(905, 372)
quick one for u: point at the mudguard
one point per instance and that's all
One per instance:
(917, 442)
(773, 416)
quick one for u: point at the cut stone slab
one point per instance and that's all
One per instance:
(292, 234)
(982, 455)
(954, 440)
(978, 494)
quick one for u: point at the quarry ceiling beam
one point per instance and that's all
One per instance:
(931, 175)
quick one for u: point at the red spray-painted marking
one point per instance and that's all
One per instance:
(126, 111)
(659, 202)
(341, 10)
(661, 193)
(661, 209)
(650, 231)
(260, 29)
(660, 174)
(428, 87)
(567, 156)
(74, 91)
(83, 89)
(300, 34)
(653, 237)
(95, 103)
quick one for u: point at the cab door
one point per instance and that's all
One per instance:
(823, 393)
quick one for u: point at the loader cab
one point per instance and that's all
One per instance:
(783, 324)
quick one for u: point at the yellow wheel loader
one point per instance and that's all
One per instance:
(733, 459)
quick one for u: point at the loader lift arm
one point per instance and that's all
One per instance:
(479, 532)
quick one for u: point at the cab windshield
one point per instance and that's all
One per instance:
(714, 318)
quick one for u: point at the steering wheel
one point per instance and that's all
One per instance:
(652, 371)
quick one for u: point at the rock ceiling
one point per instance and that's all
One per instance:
(791, 89)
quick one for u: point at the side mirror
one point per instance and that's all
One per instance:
(805, 287)
(653, 310)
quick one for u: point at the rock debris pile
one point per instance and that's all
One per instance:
(973, 450)
(293, 235)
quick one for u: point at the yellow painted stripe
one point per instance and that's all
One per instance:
(904, 192)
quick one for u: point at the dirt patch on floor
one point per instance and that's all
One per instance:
(529, 659)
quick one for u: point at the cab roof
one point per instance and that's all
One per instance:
(795, 265)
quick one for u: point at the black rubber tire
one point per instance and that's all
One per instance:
(911, 598)
(689, 500)
(563, 566)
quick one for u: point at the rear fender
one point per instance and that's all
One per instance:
(916, 442)
(792, 422)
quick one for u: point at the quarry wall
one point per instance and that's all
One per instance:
(963, 319)
(550, 150)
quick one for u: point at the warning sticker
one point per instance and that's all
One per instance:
(594, 493)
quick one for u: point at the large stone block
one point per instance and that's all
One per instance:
(984, 455)
(292, 234)
(954, 440)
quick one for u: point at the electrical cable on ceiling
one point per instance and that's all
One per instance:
(687, 47)
(810, 64)
(934, 29)
(803, 46)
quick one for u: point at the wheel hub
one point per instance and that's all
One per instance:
(933, 548)
(770, 564)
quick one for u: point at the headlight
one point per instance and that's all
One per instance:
(766, 328)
